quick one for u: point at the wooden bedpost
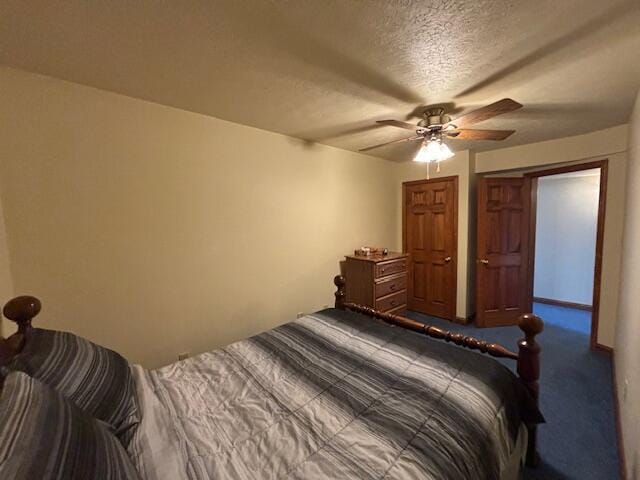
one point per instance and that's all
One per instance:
(341, 294)
(20, 310)
(529, 372)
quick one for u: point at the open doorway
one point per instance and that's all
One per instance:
(506, 273)
(565, 246)
(567, 220)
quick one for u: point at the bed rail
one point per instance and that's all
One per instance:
(527, 358)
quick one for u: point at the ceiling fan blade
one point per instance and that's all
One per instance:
(505, 105)
(408, 139)
(398, 123)
(471, 134)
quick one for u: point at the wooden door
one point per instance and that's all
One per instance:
(430, 236)
(502, 270)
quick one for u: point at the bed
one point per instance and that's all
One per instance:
(346, 392)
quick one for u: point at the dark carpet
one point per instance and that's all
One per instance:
(579, 440)
(567, 318)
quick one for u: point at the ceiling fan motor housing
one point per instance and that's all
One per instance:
(434, 119)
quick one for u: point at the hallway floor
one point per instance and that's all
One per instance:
(567, 318)
(579, 440)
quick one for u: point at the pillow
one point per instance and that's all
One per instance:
(45, 436)
(96, 379)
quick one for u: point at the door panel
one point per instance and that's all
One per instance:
(439, 233)
(502, 290)
(430, 236)
(418, 232)
(419, 276)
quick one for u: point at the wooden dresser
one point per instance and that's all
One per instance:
(378, 281)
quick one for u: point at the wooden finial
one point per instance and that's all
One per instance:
(341, 294)
(531, 325)
(22, 310)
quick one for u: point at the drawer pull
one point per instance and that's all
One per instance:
(392, 286)
(393, 303)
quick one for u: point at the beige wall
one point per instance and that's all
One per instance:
(6, 283)
(610, 143)
(155, 231)
(591, 146)
(462, 166)
(133, 220)
(627, 353)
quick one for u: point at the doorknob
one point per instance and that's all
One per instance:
(484, 261)
(447, 259)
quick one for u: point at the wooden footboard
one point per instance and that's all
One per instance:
(22, 310)
(527, 358)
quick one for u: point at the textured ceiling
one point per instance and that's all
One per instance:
(325, 70)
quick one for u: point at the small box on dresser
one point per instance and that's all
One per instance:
(378, 281)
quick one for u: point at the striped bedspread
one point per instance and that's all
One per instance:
(331, 395)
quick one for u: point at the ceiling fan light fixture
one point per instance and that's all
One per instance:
(433, 150)
(445, 151)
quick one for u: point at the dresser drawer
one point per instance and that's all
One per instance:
(392, 285)
(388, 268)
(391, 302)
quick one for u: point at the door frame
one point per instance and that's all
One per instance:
(454, 254)
(603, 165)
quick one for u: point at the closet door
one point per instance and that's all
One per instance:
(430, 231)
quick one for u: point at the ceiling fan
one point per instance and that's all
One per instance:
(436, 124)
